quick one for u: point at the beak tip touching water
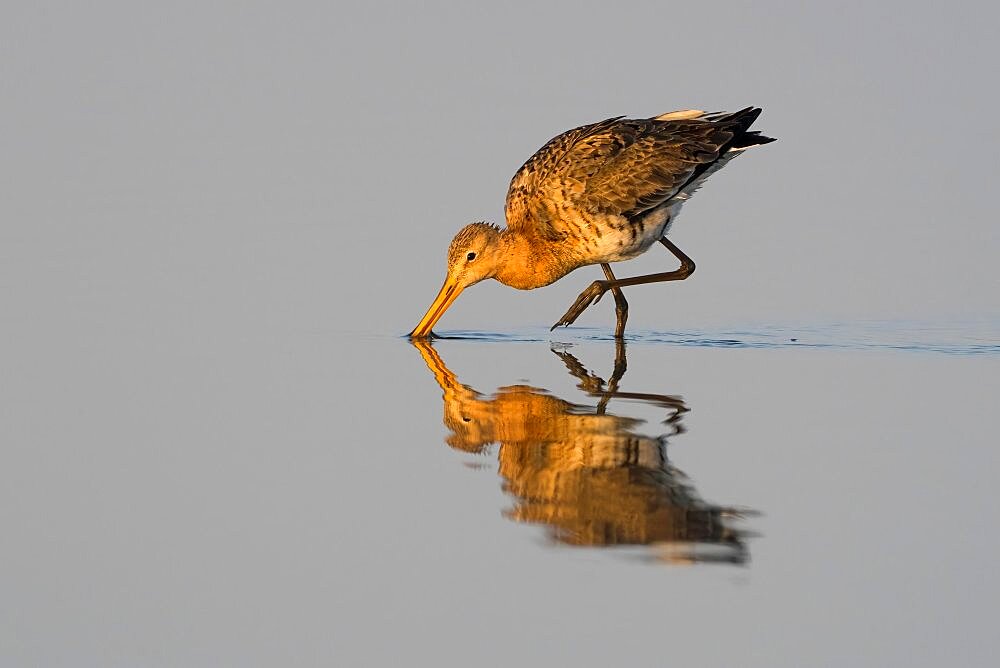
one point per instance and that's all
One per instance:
(449, 293)
(417, 335)
(422, 338)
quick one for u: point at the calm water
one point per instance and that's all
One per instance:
(284, 495)
(216, 450)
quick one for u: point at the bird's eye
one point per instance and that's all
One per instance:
(470, 257)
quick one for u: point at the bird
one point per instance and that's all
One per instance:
(597, 194)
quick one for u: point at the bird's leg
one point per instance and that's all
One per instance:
(621, 366)
(621, 306)
(593, 293)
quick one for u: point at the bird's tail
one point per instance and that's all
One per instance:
(739, 123)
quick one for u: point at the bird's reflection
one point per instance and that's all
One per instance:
(586, 474)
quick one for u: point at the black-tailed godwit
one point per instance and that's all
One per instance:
(597, 194)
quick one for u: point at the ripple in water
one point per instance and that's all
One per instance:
(959, 338)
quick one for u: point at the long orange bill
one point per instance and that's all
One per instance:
(449, 293)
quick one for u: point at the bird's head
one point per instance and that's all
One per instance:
(474, 255)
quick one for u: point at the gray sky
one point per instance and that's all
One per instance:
(326, 153)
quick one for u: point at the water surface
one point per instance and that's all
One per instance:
(957, 337)
(267, 495)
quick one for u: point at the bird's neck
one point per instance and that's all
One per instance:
(529, 262)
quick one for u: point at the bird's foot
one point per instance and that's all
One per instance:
(591, 295)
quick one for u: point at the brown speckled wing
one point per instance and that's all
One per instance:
(618, 166)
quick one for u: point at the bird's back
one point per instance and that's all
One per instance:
(608, 190)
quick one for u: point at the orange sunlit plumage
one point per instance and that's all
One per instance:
(597, 194)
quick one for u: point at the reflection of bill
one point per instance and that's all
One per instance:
(585, 474)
